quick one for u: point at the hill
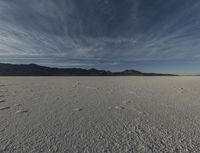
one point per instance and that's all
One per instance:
(37, 70)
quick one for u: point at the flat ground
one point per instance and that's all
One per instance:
(99, 114)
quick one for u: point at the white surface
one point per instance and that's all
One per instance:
(99, 114)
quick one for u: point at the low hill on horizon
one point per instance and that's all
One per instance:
(7, 69)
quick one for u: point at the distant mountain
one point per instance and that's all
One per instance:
(37, 70)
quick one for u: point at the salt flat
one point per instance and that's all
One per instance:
(99, 114)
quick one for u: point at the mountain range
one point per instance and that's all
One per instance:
(7, 69)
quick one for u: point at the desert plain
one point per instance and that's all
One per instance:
(100, 114)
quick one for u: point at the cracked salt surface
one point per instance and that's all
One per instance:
(125, 114)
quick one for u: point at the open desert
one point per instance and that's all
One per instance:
(99, 114)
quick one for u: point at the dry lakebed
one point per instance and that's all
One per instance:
(100, 114)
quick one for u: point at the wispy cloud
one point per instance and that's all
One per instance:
(92, 30)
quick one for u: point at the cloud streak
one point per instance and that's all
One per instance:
(99, 30)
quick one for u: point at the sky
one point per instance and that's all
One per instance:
(147, 35)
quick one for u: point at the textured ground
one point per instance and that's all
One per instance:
(99, 114)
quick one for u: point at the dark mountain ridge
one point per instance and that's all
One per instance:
(37, 70)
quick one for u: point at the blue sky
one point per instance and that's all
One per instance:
(148, 35)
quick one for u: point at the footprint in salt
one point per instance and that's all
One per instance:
(181, 90)
(16, 105)
(21, 111)
(2, 101)
(4, 107)
(78, 109)
(119, 107)
(76, 85)
(141, 113)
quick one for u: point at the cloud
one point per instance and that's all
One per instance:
(98, 30)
